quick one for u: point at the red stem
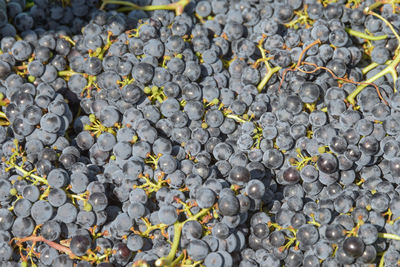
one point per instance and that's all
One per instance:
(52, 244)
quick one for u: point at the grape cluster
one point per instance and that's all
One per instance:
(199, 133)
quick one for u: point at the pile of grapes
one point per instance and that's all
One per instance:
(190, 133)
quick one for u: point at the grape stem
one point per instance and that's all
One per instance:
(365, 36)
(299, 61)
(382, 2)
(301, 18)
(26, 174)
(52, 244)
(4, 116)
(382, 261)
(178, 7)
(370, 67)
(270, 71)
(68, 73)
(169, 260)
(389, 236)
(151, 228)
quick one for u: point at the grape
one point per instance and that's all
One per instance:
(205, 197)
(122, 252)
(327, 163)
(198, 250)
(21, 127)
(135, 242)
(84, 140)
(167, 164)
(214, 259)
(291, 175)
(41, 211)
(168, 215)
(21, 50)
(143, 72)
(31, 193)
(79, 182)
(57, 178)
(369, 145)
(22, 208)
(353, 246)
(80, 244)
(66, 213)
(307, 234)
(50, 123)
(228, 205)
(369, 254)
(380, 54)
(6, 218)
(255, 189)
(136, 210)
(337, 66)
(98, 201)
(239, 175)
(6, 251)
(334, 232)
(273, 158)
(48, 255)
(63, 261)
(22, 227)
(368, 233)
(49, 74)
(192, 230)
(36, 68)
(51, 230)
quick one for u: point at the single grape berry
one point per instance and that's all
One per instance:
(239, 175)
(229, 205)
(327, 163)
(291, 175)
(80, 244)
(353, 246)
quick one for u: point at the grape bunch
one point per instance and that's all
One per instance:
(199, 133)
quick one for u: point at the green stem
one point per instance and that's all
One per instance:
(373, 6)
(102, 257)
(365, 36)
(268, 76)
(152, 228)
(122, 3)
(67, 73)
(76, 197)
(379, 3)
(382, 261)
(177, 260)
(175, 243)
(270, 71)
(389, 236)
(25, 173)
(29, 5)
(370, 67)
(177, 6)
(236, 118)
(198, 215)
(3, 115)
